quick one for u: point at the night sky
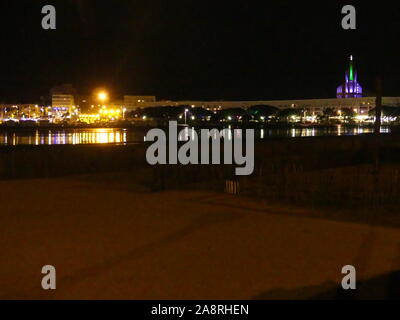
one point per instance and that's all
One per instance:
(196, 50)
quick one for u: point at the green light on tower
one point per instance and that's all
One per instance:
(351, 73)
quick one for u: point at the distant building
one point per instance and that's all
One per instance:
(63, 107)
(350, 88)
(62, 101)
(134, 102)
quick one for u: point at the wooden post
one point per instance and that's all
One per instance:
(378, 106)
(378, 121)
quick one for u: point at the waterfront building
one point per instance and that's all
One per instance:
(62, 103)
(65, 101)
(63, 107)
(134, 102)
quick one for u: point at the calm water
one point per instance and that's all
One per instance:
(124, 136)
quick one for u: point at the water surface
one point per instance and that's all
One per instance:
(132, 135)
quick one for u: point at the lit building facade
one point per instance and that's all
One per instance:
(62, 101)
(63, 107)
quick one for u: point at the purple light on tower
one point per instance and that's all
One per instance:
(350, 88)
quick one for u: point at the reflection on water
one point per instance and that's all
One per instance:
(318, 132)
(73, 136)
(123, 136)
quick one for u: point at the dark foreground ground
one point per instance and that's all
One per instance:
(111, 238)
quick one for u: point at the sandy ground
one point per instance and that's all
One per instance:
(111, 239)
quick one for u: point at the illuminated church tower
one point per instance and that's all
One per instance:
(350, 88)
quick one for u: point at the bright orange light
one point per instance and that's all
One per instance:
(103, 96)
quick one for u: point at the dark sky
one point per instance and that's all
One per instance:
(196, 49)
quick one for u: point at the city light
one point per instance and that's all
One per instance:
(102, 96)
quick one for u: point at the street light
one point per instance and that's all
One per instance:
(102, 96)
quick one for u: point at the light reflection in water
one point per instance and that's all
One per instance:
(316, 132)
(77, 136)
(123, 136)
